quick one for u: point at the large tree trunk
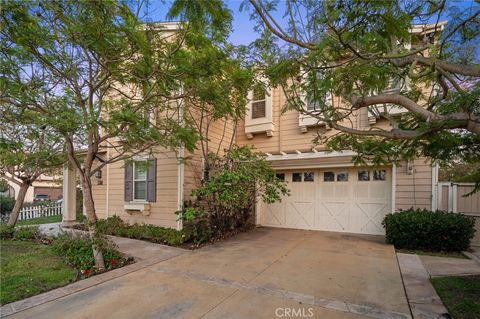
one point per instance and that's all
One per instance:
(12, 220)
(91, 219)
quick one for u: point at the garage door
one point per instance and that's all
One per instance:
(353, 200)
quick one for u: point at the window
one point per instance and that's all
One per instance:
(363, 175)
(328, 176)
(342, 177)
(296, 177)
(281, 176)
(379, 175)
(313, 105)
(258, 102)
(308, 176)
(139, 180)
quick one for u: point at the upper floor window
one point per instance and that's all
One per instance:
(259, 117)
(258, 102)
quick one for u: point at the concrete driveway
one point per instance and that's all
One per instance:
(265, 273)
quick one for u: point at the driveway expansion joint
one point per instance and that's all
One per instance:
(330, 304)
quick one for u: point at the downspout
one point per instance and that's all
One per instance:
(180, 171)
(107, 207)
(394, 186)
(435, 194)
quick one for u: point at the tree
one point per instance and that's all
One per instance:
(104, 80)
(27, 151)
(365, 53)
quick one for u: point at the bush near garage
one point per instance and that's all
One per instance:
(429, 230)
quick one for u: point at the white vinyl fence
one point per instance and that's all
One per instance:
(40, 211)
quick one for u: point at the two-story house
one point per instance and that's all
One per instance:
(327, 191)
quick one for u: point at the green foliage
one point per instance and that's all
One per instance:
(460, 295)
(228, 196)
(40, 220)
(30, 268)
(6, 204)
(196, 226)
(77, 252)
(6, 231)
(427, 230)
(26, 233)
(117, 227)
(3, 185)
(355, 50)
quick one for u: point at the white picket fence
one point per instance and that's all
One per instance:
(40, 211)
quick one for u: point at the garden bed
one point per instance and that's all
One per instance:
(31, 264)
(186, 238)
(461, 295)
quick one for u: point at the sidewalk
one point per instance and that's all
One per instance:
(416, 273)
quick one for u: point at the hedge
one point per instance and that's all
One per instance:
(427, 230)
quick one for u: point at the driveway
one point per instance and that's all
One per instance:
(265, 273)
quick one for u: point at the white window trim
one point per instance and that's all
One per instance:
(262, 124)
(307, 120)
(139, 200)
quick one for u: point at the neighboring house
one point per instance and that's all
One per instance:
(51, 186)
(327, 191)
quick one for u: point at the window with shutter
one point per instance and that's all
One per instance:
(140, 180)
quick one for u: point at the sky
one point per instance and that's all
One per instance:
(243, 29)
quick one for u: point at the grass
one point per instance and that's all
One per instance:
(433, 253)
(40, 220)
(29, 268)
(461, 295)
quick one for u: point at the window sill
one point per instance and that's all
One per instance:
(305, 121)
(259, 126)
(137, 206)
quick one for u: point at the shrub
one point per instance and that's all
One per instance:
(196, 227)
(77, 251)
(427, 230)
(234, 182)
(6, 204)
(6, 231)
(26, 233)
(117, 227)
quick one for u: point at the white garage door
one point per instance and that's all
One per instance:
(352, 200)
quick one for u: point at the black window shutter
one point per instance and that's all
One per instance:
(152, 180)
(128, 184)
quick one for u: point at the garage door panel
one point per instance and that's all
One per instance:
(334, 216)
(301, 214)
(347, 200)
(273, 214)
(367, 217)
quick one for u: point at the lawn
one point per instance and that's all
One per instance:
(461, 295)
(40, 220)
(29, 268)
